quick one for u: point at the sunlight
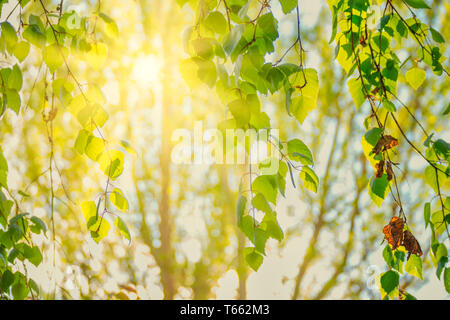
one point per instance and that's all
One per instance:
(146, 70)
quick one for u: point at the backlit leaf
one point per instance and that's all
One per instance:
(216, 22)
(415, 77)
(288, 5)
(378, 189)
(389, 281)
(111, 163)
(298, 151)
(253, 258)
(122, 227)
(417, 4)
(53, 56)
(356, 91)
(447, 279)
(309, 178)
(118, 199)
(414, 266)
(266, 184)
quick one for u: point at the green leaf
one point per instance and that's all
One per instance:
(81, 141)
(188, 70)
(248, 225)
(432, 56)
(53, 56)
(388, 256)
(441, 266)
(417, 4)
(259, 240)
(3, 262)
(6, 280)
(34, 35)
(430, 177)
(303, 98)
(298, 151)
(240, 208)
(271, 226)
(267, 26)
(231, 40)
(38, 225)
(441, 252)
(111, 28)
(288, 5)
(23, 194)
(203, 47)
(389, 106)
(14, 253)
(334, 26)
(33, 254)
(259, 120)
(378, 189)
(111, 163)
(206, 71)
(9, 36)
(275, 77)
(261, 204)
(15, 78)
(21, 50)
(415, 77)
(447, 279)
(36, 20)
(399, 257)
(389, 281)
(437, 219)
(97, 226)
(408, 296)
(118, 200)
(89, 210)
(34, 286)
(3, 180)
(127, 146)
(428, 140)
(94, 147)
(13, 100)
(216, 22)
(356, 91)
(436, 35)
(99, 116)
(240, 111)
(20, 290)
(373, 136)
(92, 115)
(309, 178)
(414, 266)
(23, 3)
(122, 227)
(427, 213)
(253, 258)
(3, 162)
(99, 230)
(442, 148)
(266, 184)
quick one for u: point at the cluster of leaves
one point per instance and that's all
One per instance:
(16, 244)
(227, 48)
(57, 37)
(365, 50)
(400, 240)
